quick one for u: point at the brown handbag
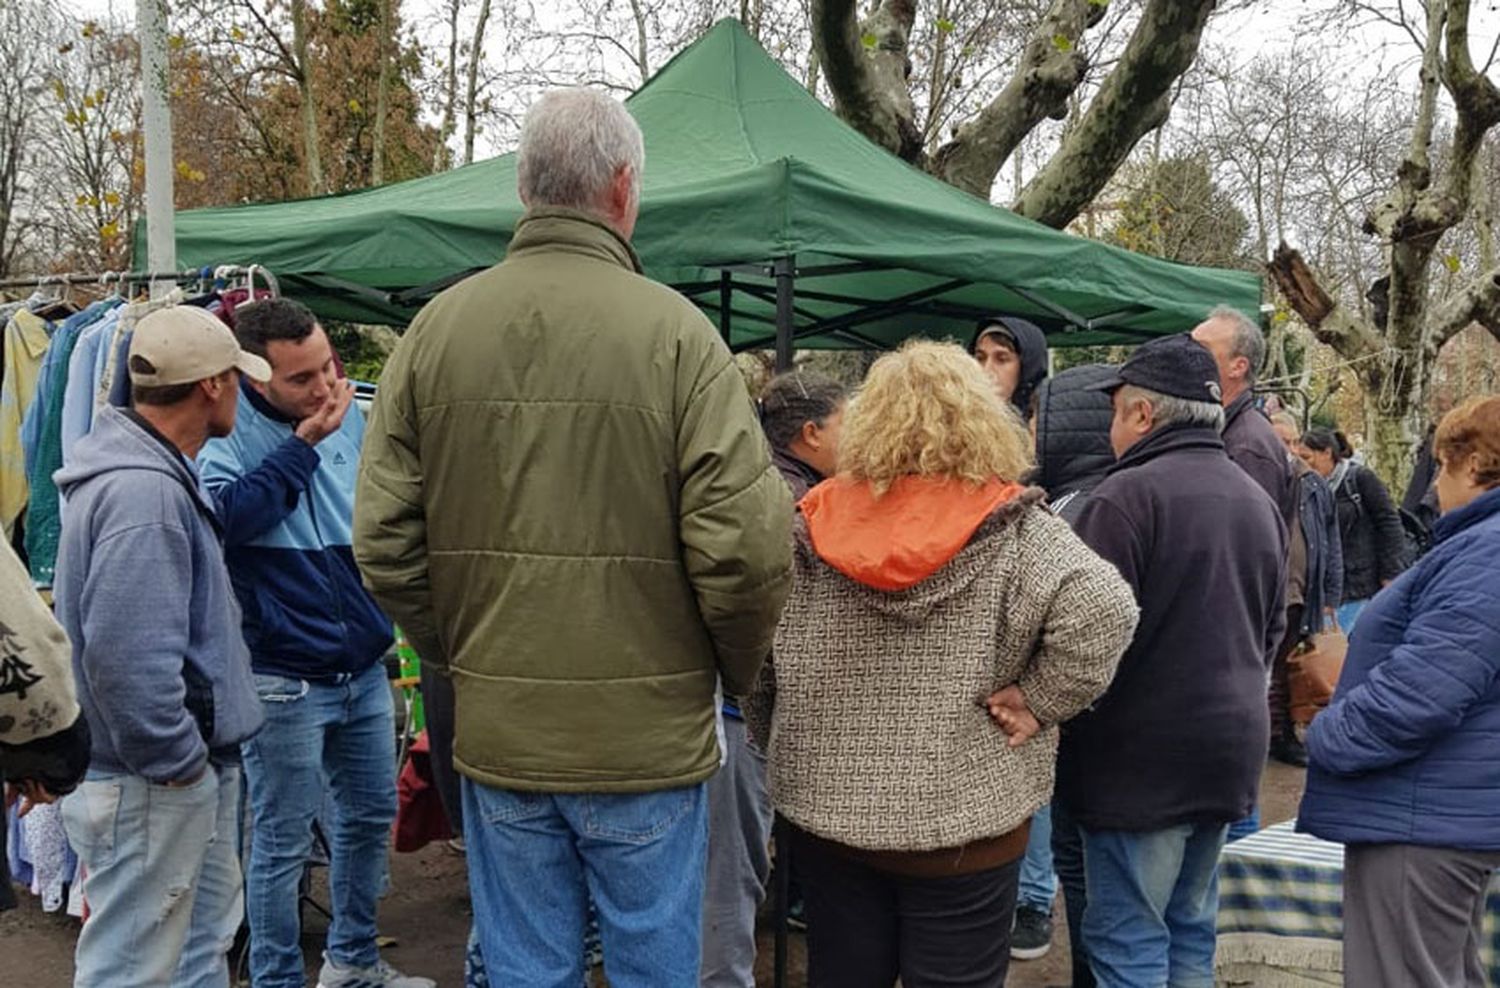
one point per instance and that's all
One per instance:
(1313, 673)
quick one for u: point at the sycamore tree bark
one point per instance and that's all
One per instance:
(471, 96)
(867, 68)
(312, 157)
(450, 88)
(1394, 351)
(387, 29)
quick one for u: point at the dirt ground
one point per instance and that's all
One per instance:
(427, 914)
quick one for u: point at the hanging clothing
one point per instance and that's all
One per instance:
(43, 514)
(34, 414)
(92, 371)
(78, 397)
(26, 340)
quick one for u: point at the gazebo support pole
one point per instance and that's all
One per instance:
(785, 272)
(726, 299)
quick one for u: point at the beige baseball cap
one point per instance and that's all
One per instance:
(185, 344)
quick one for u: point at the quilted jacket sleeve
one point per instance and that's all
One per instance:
(390, 517)
(735, 511)
(1447, 660)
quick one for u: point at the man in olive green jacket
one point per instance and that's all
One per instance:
(567, 504)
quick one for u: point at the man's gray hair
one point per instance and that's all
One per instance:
(1249, 342)
(1168, 410)
(573, 143)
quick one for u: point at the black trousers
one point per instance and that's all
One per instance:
(437, 703)
(1067, 861)
(867, 927)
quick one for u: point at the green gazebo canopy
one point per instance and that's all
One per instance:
(751, 187)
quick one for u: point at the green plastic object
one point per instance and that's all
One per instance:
(411, 666)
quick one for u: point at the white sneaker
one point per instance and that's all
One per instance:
(382, 975)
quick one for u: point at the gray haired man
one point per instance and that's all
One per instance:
(566, 502)
(1239, 350)
(1173, 752)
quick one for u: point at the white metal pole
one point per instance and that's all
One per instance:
(161, 238)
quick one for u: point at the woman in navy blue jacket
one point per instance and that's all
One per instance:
(1404, 767)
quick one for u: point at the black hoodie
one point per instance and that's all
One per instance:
(1030, 345)
(1073, 453)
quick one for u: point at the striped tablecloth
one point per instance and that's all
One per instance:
(1281, 912)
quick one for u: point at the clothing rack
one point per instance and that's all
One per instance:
(206, 276)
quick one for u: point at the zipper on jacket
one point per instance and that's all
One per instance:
(312, 514)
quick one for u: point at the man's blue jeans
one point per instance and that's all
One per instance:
(1248, 827)
(1038, 880)
(342, 736)
(162, 880)
(1153, 903)
(536, 858)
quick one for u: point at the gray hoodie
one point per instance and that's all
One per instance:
(163, 673)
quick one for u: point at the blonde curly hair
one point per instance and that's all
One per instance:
(928, 410)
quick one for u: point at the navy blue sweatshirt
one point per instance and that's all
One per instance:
(1181, 735)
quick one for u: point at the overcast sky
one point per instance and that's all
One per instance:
(1361, 46)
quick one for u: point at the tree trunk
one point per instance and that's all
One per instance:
(642, 52)
(1052, 66)
(382, 91)
(450, 88)
(867, 68)
(1394, 359)
(312, 159)
(471, 100)
(1133, 101)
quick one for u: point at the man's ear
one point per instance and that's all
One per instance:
(1144, 415)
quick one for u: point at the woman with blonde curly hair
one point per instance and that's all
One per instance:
(945, 623)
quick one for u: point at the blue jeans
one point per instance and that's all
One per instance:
(1153, 905)
(1348, 613)
(162, 881)
(739, 861)
(535, 859)
(1038, 881)
(1248, 827)
(342, 737)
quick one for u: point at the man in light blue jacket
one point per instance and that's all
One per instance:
(162, 672)
(284, 486)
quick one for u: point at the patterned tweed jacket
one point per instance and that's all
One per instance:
(869, 711)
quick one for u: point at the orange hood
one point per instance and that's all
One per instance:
(900, 539)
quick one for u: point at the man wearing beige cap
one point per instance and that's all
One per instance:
(162, 671)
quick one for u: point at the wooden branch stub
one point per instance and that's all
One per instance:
(1297, 282)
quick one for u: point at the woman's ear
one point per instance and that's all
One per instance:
(810, 435)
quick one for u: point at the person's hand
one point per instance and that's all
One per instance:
(327, 419)
(31, 793)
(1008, 709)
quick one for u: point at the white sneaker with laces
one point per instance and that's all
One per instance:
(382, 975)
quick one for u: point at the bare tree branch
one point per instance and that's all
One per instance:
(471, 100)
(1479, 301)
(869, 80)
(1050, 70)
(1329, 321)
(1134, 100)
